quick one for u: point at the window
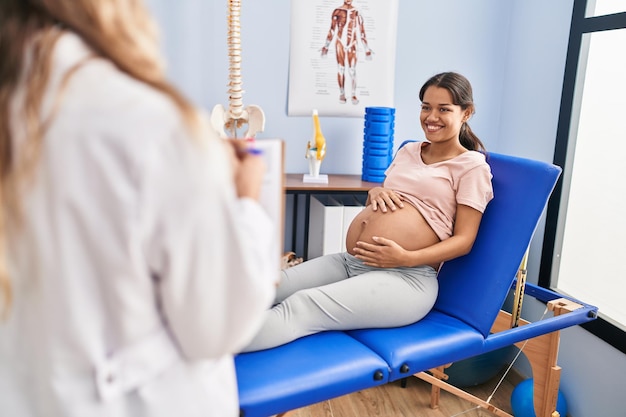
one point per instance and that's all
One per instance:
(604, 7)
(584, 250)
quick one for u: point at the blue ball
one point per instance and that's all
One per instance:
(522, 400)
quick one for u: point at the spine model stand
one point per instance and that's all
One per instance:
(229, 123)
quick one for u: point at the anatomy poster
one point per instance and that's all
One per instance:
(342, 56)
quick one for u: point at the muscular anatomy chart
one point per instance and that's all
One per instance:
(347, 30)
(342, 56)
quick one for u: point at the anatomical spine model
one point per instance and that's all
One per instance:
(229, 122)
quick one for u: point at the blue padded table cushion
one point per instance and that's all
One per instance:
(473, 287)
(435, 340)
(305, 371)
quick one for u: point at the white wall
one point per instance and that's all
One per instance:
(194, 34)
(513, 52)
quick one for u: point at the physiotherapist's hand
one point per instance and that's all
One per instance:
(385, 199)
(248, 168)
(383, 253)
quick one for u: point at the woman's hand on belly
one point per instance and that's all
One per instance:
(387, 238)
(383, 198)
(383, 253)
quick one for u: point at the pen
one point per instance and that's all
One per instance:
(254, 151)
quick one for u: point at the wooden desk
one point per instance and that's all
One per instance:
(337, 184)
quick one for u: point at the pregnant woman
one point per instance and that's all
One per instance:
(428, 211)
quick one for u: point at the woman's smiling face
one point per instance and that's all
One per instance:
(440, 118)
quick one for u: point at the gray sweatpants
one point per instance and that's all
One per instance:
(338, 292)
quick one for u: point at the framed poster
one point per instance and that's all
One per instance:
(342, 56)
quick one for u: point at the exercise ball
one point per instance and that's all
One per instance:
(522, 400)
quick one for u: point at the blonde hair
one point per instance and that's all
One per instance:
(118, 30)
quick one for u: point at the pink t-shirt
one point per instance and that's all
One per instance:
(436, 189)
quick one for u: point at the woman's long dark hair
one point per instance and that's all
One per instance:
(461, 91)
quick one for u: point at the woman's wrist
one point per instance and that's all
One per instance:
(413, 258)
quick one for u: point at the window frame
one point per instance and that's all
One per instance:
(580, 26)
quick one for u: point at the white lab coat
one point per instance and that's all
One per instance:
(137, 271)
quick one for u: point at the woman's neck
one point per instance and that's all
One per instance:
(437, 152)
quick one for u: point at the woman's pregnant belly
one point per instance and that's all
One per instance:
(406, 226)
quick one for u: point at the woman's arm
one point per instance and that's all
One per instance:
(386, 253)
(210, 246)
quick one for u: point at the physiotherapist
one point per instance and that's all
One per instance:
(135, 258)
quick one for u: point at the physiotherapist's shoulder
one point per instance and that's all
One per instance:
(104, 112)
(99, 95)
(101, 92)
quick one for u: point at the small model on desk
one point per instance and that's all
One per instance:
(316, 153)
